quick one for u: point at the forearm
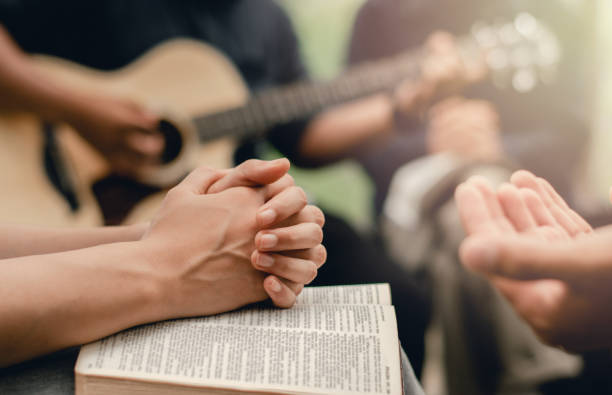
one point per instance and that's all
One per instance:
(24, 88)
(20, 240)
(49, 302)
(337, 132)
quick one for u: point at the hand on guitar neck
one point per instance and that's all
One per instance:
(444, 71)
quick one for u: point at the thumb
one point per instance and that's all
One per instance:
(522, 258)
(201, 179)
(253, 172)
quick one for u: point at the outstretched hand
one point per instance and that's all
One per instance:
(542, 256)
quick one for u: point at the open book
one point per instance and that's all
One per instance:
(340, 339)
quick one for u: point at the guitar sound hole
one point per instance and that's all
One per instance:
(173, 140)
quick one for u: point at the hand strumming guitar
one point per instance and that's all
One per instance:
(121, 131)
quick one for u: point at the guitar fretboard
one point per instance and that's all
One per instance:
(296, 101)
(520, 51)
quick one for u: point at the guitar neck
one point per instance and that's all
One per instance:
(297, 101)
(517, 53)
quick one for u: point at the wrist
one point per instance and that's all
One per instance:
(62, 104)
(161, 266)
(404, 115)
(135, 232)
(141, 265)
(74, 111)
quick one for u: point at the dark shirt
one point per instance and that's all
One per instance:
(255, 35)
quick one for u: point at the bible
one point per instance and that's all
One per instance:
(336, 339)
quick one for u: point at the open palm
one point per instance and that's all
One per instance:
(548, 262)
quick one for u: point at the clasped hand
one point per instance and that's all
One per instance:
(226, 238)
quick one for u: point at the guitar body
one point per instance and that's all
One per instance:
(182, 78)
(27, 196)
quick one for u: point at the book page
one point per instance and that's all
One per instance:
(314, 349)
(346, 294)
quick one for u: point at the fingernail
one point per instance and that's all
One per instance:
(265, 260)
(267, 216)
(268, 241)
(275, 285)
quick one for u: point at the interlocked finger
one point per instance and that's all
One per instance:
(317, 254)
(278, 186)
(251, 173)
(285, 204)
(298, 270)
(309, 213)
(296, 237)
(282, 293)
(200, 179)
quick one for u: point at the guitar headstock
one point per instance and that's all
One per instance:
(519, 54)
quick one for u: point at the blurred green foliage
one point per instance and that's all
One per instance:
(324, 28)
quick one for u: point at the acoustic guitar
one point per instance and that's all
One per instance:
(47, 171)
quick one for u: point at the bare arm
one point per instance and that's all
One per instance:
(209, 239)
(336, 132)
(53, 301)
(21, 240)
(23, 88)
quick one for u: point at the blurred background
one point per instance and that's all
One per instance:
(600, 166)
(324, 30)
(405, 157)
